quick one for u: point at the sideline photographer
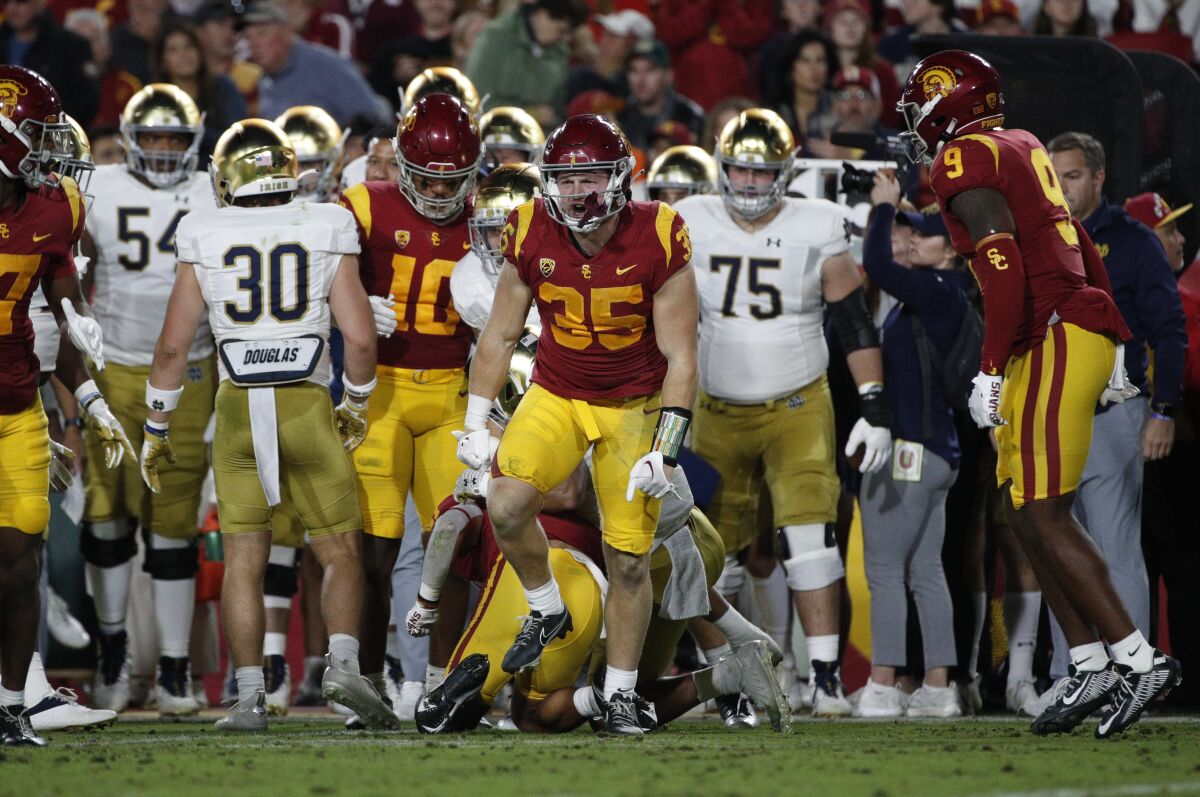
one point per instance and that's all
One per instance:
(903, 504)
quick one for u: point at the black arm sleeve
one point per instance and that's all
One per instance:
(853, 323)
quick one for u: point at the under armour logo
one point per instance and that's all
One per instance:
(775, 242)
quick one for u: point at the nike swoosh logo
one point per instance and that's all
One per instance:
(37, 238)
(1134, 651)
(1069, 698)
(650, 411)
(621, 271)
(545, 639)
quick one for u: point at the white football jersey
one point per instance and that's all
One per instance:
(265, 272)
(45, 331)
(761, 308)
(133, 227)
(473, 289)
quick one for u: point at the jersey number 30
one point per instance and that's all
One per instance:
(252, 283)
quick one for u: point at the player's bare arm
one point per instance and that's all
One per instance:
(841, 287)
(676, 314)
(456, 528)
(352, 311)
(88, 248)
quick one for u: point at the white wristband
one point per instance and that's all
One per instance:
(358, 393)
(428, 593)
(162, 400)
(477, 413)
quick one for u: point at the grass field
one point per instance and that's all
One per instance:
(307, 756)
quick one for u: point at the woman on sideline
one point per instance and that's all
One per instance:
(179, 59)
(904, 504)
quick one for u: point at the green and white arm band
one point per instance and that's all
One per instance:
(673, 423)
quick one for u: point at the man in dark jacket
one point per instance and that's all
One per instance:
(31, 38)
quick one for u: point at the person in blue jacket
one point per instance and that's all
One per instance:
(904, 504)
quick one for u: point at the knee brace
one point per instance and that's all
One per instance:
(810, 556)
(108, 543)
(733, 576)
(171, 560)
(279, 582)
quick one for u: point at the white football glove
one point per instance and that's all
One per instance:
(102, 423)
(476, 449)
(472, 484)
(85, 333)
(420, 620)
(876, 442)
(1119, 389)
(650, 475)
(385, 316)
(61, 472)
(984, 402)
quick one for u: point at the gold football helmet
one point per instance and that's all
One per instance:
(252, 157)
(78, 165)
(684, 168)
(502, 190)
(508, 127)
(520, 377)
(317, 141)
(161, 108)
(442, 80)
(755, 139)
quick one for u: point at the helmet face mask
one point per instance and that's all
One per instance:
(586, 152)
(760, 141)
(35, 135)
(438, 147)
(318, 142)
(161, 110)
(252, 158)
(503, 189)
(77, 164)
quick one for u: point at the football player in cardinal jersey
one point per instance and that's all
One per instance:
(473, 283)
(131, 239)
(41, 219)
(616, 372)
(412, 233)
(767, 267)
(1051, 350)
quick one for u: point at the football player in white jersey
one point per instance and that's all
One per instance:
(318, 142)
(130, 239)
(681, 171)
(473, 281)
(767, 268)
(269, 271)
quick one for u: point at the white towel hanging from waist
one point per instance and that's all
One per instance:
(264, 431)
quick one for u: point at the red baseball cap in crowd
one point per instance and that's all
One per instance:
(856, 76)
(835, 7)
(990, 9)
(1152, 210)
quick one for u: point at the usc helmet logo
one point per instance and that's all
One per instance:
(937, 80)
(10, 91)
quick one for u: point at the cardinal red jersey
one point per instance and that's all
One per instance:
(37, 238)
(598, 309)
(408, 256)
(1056, 278)
(474, 562)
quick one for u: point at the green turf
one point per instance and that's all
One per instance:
(877, 759)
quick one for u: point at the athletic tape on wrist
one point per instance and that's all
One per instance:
(87, 394)
(428, 593)
(478, 408)
(358, 393)
(673, 423)
(162, 400)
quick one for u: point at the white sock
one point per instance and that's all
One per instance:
(739, 631)
(1021, 623)
(249, 680)
(979, 600)
(585, 702)
(109, 588)
(343, 649)
(36, 685)
(1134, 652)
(434, 675)
(8, 697)
(545, 599)
(174, 604)
(712, 655)
(274, 643)
(618, 681)
(393, 642)
(822, 648)
(774, 602)
(1091, 657)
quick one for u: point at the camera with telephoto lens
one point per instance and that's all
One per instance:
(857, 181)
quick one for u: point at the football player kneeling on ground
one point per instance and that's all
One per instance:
(270, 272)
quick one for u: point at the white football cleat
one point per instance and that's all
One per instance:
(876, 700)
(1037, 707)
(66, 630)
(111, 687)
(1021, 695)
(173, 688)
(409, 696)
(828, 698)
(60, 711)
(278, 685)
(934, 701)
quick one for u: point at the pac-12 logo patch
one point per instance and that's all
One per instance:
(547, 266)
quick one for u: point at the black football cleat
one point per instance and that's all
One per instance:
(1138, 690)
(537, 632)
(435, 713)
(15, 730)
(621, 715)
(736, 711)
(1083, 693)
